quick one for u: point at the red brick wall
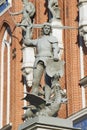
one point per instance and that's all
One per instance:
(70, 80)
(71, 56)
(16, 78)
(16, 74)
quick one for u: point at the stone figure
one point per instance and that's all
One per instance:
(46, 48)
(27, 12)
(47, 62)
(54, 9)
(43, 109)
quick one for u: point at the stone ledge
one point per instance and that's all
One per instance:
(44, 123)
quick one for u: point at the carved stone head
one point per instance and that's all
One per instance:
(46, 29)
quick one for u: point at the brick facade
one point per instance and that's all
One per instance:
(71, 55)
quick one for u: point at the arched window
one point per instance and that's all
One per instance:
(5, 78)
(4, 6)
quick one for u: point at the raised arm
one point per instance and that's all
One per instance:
(29, 42)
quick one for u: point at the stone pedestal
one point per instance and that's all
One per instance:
(47, 123)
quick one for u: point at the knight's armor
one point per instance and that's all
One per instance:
(45, 46)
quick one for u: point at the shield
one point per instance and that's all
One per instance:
(55, 67)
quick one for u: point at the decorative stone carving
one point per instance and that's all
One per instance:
(44, 100)
(54, 9)
(83, 19)
(46, 62)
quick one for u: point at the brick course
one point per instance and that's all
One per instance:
(71, 55)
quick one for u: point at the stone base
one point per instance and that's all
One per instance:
(47, 123)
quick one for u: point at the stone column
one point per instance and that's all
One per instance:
(56, 22)
(27, 65)
(83, 20)
(58, 34)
